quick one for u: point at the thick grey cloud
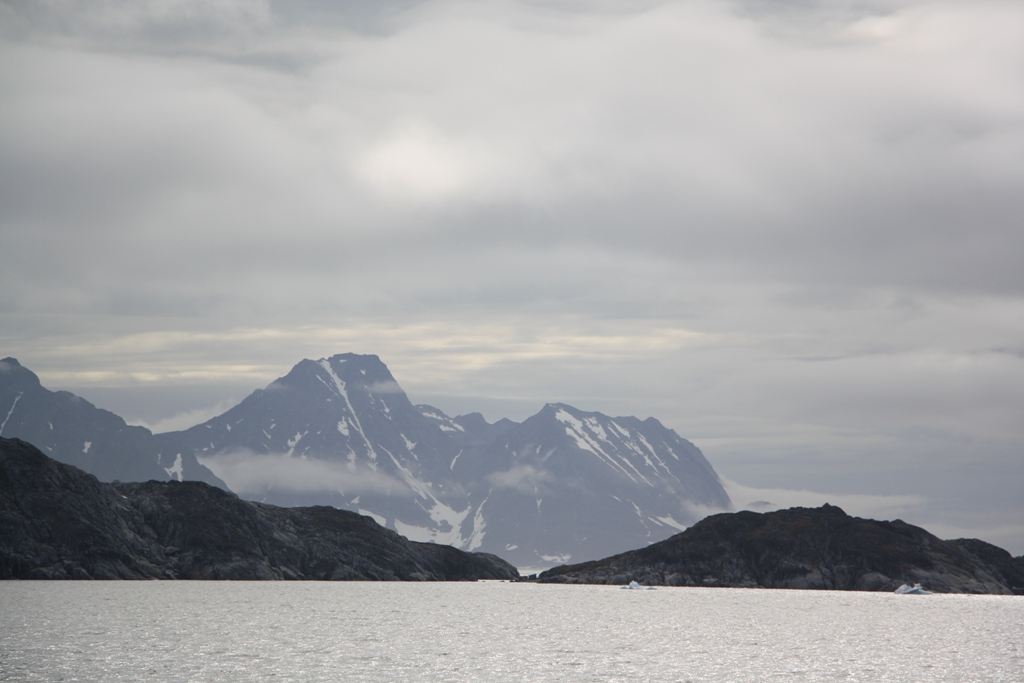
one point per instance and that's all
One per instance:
(788, 229)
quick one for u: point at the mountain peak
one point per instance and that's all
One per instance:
(367, 373)
(556, 409)
(366, 370)
(12, 367)
(369, 358)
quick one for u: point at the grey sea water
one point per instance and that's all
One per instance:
(489, 631)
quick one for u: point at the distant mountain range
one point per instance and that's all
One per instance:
(562, 485)
(70, 429)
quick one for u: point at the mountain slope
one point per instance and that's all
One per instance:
(568, 483)
(74, 431)
(346, 404)
(340, 431)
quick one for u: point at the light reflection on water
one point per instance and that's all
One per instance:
(319, 632)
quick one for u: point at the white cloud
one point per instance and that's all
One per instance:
(791, 231)
(391, 387)
(881, 507)
(185, 419)
(124, 18)
(420, 164)
(248, 473)
(525, 479)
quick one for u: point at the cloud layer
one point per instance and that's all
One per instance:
(791, 231)
(252, 474)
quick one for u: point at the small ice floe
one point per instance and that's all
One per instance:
(633, 585)
(916, 589)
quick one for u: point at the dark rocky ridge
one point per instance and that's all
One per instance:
(57, 522)
(819, 548)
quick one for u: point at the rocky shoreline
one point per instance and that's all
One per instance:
(57, 522)
(808, 548)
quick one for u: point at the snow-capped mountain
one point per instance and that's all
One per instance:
(564, 484)
(340, 431)
(568, 484)
(70, 429)
(347, 407)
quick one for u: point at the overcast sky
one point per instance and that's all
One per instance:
(791, 230)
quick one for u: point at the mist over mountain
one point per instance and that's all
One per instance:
(562, 485)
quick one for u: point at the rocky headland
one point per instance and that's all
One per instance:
(57, 522)
(810, 548)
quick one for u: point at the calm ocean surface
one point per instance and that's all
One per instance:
(313, 632)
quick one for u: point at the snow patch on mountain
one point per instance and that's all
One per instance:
(476, 536)
(380, 519)
(340, 387)
(441, 421)
(443, 516)
(640, 516)
(175, 470)
(668, 520)
(11, 411)
(588, 435)
(421, 488)
(294, 441)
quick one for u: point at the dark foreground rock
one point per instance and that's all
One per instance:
(57, 522)
(820, 548)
